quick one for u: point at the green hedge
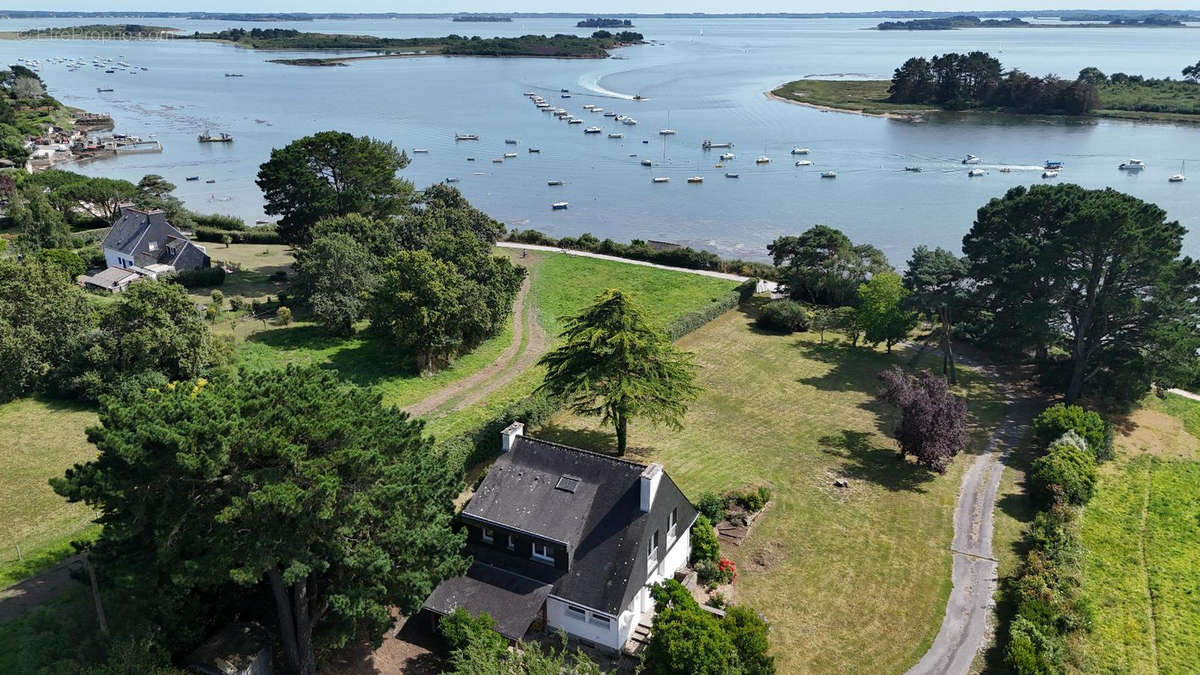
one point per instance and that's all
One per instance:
(218, 221)
(202, 277)
(693, 320)
(257, 235)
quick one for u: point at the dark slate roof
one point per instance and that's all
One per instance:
(512, 600)
(601, 523)
(149, 239)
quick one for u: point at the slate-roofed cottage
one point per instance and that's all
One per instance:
(570, 536)
(141, 238)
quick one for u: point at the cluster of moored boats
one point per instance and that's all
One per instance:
(1053, 168)
(104, 63)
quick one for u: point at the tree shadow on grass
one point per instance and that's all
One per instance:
(363, 359)
(866, 462)
(853, 368)
(588, 439)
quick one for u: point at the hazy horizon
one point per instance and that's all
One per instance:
(627, 6)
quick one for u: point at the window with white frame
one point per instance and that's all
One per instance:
(671, 527)
(598, 620)
(542, 553)
(488, 535)
(652, 551)
(576, 613)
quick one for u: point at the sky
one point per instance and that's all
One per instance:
(606, 7)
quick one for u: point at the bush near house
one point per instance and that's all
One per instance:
(784, 316)
(686, 639)
(459, 629)
(201, 277)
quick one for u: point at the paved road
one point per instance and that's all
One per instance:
(763, 286)
(966, 625)
(37, 590)
(1185, 394)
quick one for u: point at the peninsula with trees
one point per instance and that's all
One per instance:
(555, 46)
(604, 23)
(978, 82)
(1080, 21)
(481, 18)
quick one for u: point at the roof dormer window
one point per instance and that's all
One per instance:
(153, 246)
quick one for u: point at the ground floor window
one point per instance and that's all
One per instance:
(597, 620)
(576, 613)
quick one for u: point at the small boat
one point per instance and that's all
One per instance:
(510, 141)
(192, 178)
(420, 151)
(707, 144)
(509, 155)
(1006, 169)
(800, 151)
(234, 75)
(829, 174)
(102, 90)
(804, 162)
(629, 121)
(660, 179)
(554, 182)
(913, 169)
(219, 138)
(762, 159)
(1050, 173)
(592, 130)
(497, 160)
(666, 132)
(1179, 177)
(616, 135)
(110, 71)
(466, 137)
(565, 95)
(588, 106)
(971, 159)
(730, 174)
(1052, 165)
(559, 206)
(564, 90)
(1132, 165)
(610, 114)
(574, 120)
(470, 159)
(597, 109)
(210, 181)
(451, 180)
(725, 157)
(696, 179)
(537, 150)
(975, 173)
(645, 162)
(531, 93)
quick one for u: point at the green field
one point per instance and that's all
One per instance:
(1142, 534)
(40, 441)
(1174, 102)
(853, 580)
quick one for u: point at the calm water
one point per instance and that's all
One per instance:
(707, 77)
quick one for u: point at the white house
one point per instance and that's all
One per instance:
(569, 536)
(140, 240)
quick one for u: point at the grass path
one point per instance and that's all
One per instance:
(1153, 632)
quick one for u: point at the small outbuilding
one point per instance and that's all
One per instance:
(111, 280)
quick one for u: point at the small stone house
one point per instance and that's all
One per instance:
(140, 239)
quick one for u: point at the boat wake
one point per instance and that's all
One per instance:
(592, 84)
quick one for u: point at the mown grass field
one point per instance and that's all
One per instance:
(853, 580)
(1142, 535)
(866, 96)
(40, 440)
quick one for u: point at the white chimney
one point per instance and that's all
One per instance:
(510, 435)
(650, 477)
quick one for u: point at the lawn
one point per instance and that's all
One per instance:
(1142, 535)
(852, 579)
(40, 441)
(867, 96)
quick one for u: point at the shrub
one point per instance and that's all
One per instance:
(707, 571)
(784, 316)
(1030, 651)
(1058, 419)
(284, 316)
(210, 313)
(752, 500)
(255, 235)
(236, 303)
(749, 634)
(728, 570)
(218, 221)
(460, 629)
(705, 546)
(712, 506)
(218, 298)
(68, 261)
(1067, 467)
(200, 277)
(718, 601)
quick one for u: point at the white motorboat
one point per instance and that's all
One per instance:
(707, 145)
(616, 135)
(829, 174)
(804, 162)
(762, 159)
(597, 109)
(800, 151)
(1132, 165)
(730, 174)
(725, 157)
(1050, 173)
(531, 93)
(554, 182)
(559, 206)
(509, 155)
(975, 173)
(420, 151)
(629, 121)
(645, 162)
(574, 120)
(610, 114)
(660, 179)
(696, 179)
(971, 159)
(466, 137)
(592, 130)
(666, 132)
(588, 106)
(451, 180)
(497, 160)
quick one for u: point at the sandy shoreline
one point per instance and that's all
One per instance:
(903, 117)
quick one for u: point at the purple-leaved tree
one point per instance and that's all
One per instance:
(933, 421)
